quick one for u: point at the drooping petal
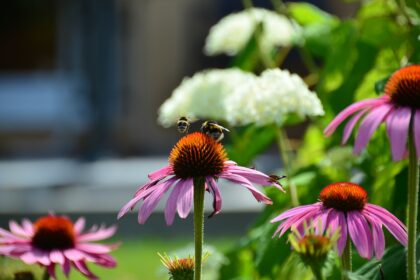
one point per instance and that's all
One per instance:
(137, 198)
(217, 198)
(161, 173)
(170, 208)
(378, 235)
(298, 220)
(369, 103)
(259, 196)
(350, 125)
(416, 131)
(65, 267)
(336, 220)
(360, 233)
(254, 176)
(369, 124)
(82, 267)
(395, 227)
(51, 271)
(185, 198)
(398, 123)
(296, 211)
(153, 199)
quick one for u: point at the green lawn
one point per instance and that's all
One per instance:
(137, 259)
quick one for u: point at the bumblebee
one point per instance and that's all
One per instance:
(214, 130)
(183, 125)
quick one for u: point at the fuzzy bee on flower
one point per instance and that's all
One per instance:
(183, 125)
(214, 130)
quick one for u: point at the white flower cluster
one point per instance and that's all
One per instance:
(231, 34)
(202, 96)
(270, 99)
(240, 98)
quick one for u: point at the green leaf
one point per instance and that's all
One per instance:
(306, 14)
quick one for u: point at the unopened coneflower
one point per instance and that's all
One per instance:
(345, 205)
(179, 268)
(399, 109)
(313, 246)
(55, 241)
(196, 163)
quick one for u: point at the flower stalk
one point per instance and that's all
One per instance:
(346, 263)
(199, 190)
(284, 151)
(413, 190)
(45, 275)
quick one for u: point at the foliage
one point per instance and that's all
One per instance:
(348, 60)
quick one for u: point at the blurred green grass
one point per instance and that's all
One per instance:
(137, 259)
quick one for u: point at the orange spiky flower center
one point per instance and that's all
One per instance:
(53, 232)
(344, 196)
(403, 87)
(197, 155)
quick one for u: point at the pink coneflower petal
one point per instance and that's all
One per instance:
(161, 173)
(82, 267)
(350, 125)
(360, 233)
(74, 254)
(369, 124)
(395, 227)
(338, 220)
(247, 184)
(170, 209)
(254, 176)
(65, 267)
(79, 225)
(369, 103)
(98, 235)
(297, 221)
(93, 248)
(153, 199)
(16, 229)
(323, 222)
(137, 198)
(27, 226)
(416, 131)
(51, 271)
(57, 257)
(296, 211)
(185, 198)
(217, 198)
(378, 236)
(398, 123)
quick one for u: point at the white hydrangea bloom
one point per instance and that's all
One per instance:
(231, 34)
(274, 95)
(202, 96)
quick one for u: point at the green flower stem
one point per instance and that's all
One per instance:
(316, 270)
(346, 264)
(413, 190)
(284, 151)
(199, 190)
(45, 275)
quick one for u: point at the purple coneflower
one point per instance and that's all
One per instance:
(344, 205)
(55, 240)
(399, 104)
(399, 108)
(196, 162)
(196, 155)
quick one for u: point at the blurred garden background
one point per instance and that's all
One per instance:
(81, 83)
